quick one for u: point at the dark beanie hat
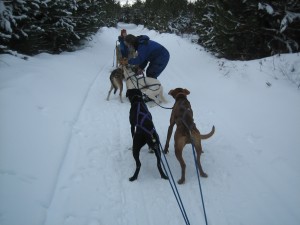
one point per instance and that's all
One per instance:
(131, 39)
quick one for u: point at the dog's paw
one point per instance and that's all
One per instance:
(166, 151)
(181, 181)
(203, 175)
(165, 177)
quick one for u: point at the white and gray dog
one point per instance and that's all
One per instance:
(149, 86)
(116, 80)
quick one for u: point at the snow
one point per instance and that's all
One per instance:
(290, 17)
(65, 153)
(267, 7)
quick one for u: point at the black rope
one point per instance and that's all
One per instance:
(137, 87)
(162, 106)
(142, 86)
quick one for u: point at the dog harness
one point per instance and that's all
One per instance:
(144, 117)
(135, 81)
(186, 110)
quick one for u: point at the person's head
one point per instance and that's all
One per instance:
(130, 40)
(123, 32)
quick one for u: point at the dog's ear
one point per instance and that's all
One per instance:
(170, 92)
(186, 91)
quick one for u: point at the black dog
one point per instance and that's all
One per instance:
(142, 131)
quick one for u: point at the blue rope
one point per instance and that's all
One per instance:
(173, 183)
(197, 170)
(174, 187)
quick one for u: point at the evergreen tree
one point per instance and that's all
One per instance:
(235, 29)
(138, 12)
(33, 26)
(58, 26)
(37, 25)
(248, 29)
(281, 22)
(15, 17)
(91, 15)
(177, 7)
(156, 14)
(204, 13)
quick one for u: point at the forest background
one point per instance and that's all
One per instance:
(237, 30)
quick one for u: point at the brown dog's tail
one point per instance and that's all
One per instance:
(206, 136)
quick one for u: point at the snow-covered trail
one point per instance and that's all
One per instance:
(94, 176)
(99, 162)
(64, 149)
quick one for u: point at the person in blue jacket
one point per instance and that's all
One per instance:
(123, 47)
(148, 51)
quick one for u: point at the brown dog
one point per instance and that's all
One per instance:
(116, 79)
(182, 116)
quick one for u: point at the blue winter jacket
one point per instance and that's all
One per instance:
(150, 52)
(123, 47)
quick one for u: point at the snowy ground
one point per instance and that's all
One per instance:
(64, 157)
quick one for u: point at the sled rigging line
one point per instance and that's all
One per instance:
(171, 181)
(174, 187)
(137, 87)
(199, 183)
(163, 107)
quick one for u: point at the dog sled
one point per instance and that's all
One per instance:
(150, 87)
